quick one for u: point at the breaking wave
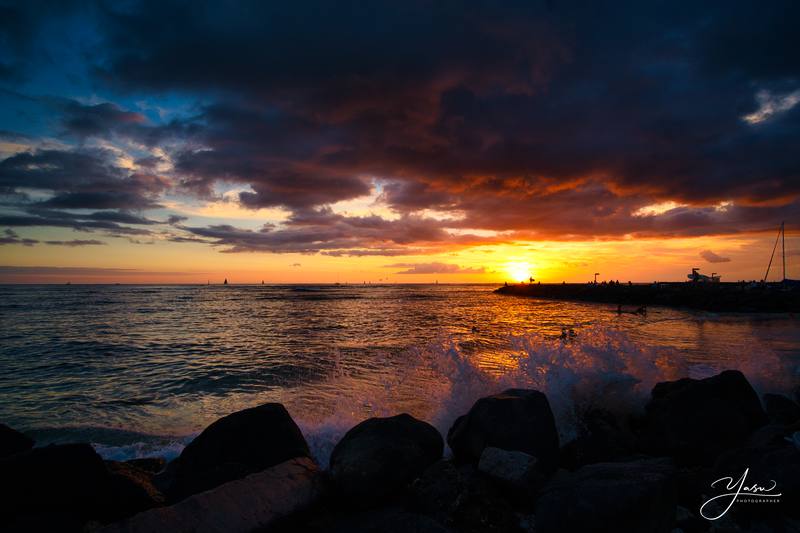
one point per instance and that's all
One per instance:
(599, 367)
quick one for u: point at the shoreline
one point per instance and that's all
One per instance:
(716, 297)
(507, 470)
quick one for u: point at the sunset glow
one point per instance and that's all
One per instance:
(519, 271)
(315, 166)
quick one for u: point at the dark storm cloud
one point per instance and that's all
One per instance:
(80, 179)
(99, 119)
(72, 223)
(542, 120)
(313, 231)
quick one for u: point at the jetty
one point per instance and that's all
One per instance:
(745, 297)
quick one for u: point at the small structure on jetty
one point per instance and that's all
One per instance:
(697, 277)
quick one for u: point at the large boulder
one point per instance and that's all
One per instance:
(695, 420)
(781, 410)
(514, 470)
(56, 488)
(154, 465)
(380, 456)
(602, 437)
(131, 490)
(461, 498)
(637, 496)
(253, 503)
(12, 441)
(515, 420)
(236, 445)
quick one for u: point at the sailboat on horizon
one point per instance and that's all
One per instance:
(782, 239)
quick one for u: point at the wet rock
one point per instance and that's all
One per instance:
(781, 410)
(695, 420)
(516, 420)
(633, 497)
(236, 445)
(380, 456)
(459, 497)
(603, 437)
(56, 488)
(243, 505)
(12, 441)
(131, 490)
(515, 470)
(154, 465)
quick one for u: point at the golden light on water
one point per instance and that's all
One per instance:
(519, 271)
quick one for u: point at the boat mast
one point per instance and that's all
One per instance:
(772, 256)
(783, 247)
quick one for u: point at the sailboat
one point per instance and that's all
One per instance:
(782, 239)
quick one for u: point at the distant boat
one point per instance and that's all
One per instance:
(225, 282)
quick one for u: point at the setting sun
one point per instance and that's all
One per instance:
(519, 271)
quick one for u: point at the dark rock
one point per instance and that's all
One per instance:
(236, 445)
(131, 490)
(154, 465)
(462, 499)
(781, 410)
(772, 434)
(689, 522)
(56, 488)
(517, 419)
(633, 497)
(254, 503)
(695, 420)
(603, 437)
(380, 456)
(513, 470)
(391, 519)
(12, 441)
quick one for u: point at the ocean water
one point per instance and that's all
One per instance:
(140, 370)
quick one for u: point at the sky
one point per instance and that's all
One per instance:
(402, 142)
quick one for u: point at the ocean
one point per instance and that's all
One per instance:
(139, 370)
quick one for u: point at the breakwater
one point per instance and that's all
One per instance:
(721, 297)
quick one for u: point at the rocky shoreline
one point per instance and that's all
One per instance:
(508, 471)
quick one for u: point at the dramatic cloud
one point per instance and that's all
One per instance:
(482, 123)
(322, 230)
(435, 268)
(711, 257)
(80, 179)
